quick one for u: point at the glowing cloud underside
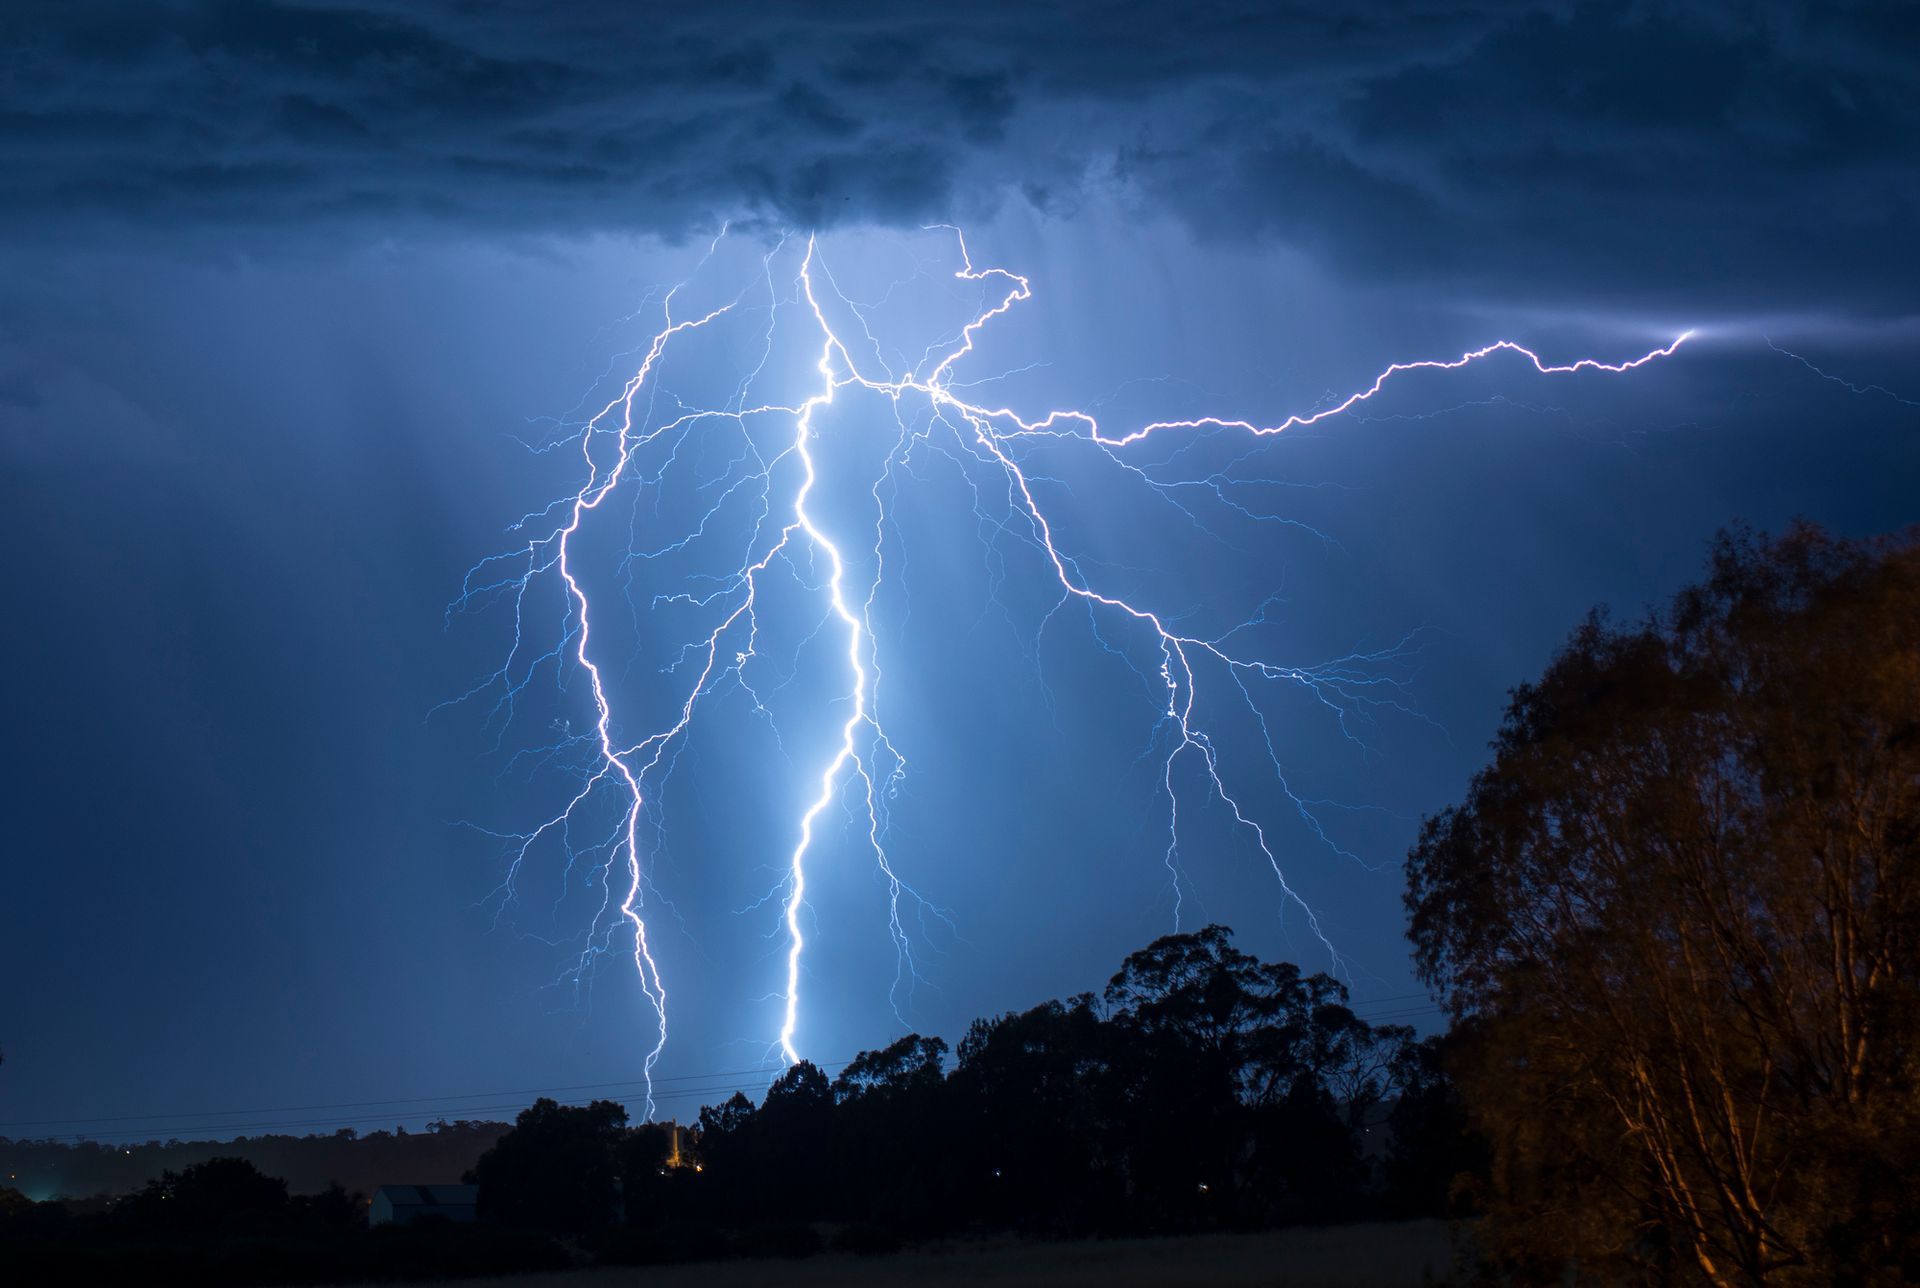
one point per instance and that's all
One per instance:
(626, 771)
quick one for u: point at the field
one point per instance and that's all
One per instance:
(1355, 1256)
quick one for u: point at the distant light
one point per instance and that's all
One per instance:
(1203, 1187)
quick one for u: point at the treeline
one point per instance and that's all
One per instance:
(223, 1222)
(1206, 1089)
(359, 1161)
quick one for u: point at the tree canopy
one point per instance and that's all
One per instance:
(1677, 919)
(1206, 1089)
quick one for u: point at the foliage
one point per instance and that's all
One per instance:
(219, 1194)
(1210, 1089)
(556, 1171)
(1679, 917)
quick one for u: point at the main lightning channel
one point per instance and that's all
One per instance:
(989, 436)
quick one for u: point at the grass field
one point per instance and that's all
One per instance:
(1354, 1256)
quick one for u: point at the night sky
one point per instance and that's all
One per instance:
(296, 299)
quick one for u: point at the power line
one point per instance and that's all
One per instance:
(1402, 1006)
(1404, 1013)
(1392, 997)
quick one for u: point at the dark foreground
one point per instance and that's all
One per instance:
(1352, 1256)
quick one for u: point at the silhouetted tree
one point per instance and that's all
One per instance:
(911, 1066)
(801, 1092)
(774, 1160)
(720, 1122)
(221, 1194)
(332, 1209)
(1245, 1084)
(651, 1186)
(1031, 1110)
(1682, 911)
(891, 1150)
(555, 1170)
(1435, 1159)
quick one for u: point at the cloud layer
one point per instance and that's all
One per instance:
(1766, 160)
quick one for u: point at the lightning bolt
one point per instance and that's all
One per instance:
(1848, 385)
(612, 765)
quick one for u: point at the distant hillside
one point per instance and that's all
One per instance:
(44, 1169)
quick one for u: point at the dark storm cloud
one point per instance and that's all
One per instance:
(1770, 158)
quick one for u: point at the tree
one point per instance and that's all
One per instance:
(13, 1203)
(1273, 1075)
(892, 1140)
(908, 1067)
(1679, 918)
(773, 1159)
(218, 1195)
(555, 1170)
(791, 1133)
(1434, 1157)
(1032, 1113)
(1204, 1025)
(653, 1184)
(718, 1122)
(801, 1091)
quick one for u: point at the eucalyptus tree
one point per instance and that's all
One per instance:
(1678, 918)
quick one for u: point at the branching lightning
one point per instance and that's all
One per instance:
(774, 475)
(1848, 385)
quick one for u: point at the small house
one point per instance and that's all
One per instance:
(401, 1204)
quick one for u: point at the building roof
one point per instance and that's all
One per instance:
(429, 1195)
